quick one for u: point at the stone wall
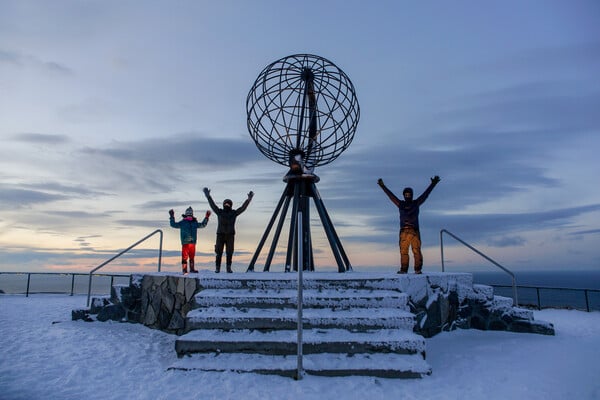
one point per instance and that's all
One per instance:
(159, 301)
(440, 302)
(445, 305)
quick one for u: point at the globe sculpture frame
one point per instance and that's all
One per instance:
(302, 112)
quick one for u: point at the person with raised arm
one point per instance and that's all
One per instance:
(409, 223)
(226, 228)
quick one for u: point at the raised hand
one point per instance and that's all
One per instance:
(250, 194)
(380, 182)
(206, 191)
(207, 214)
(172, 213)
(435, 179)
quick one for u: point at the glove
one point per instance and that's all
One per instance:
(435, 180)
(206, 191)
(172, 213)
(380, 182)
(250, 194)
(207, 214)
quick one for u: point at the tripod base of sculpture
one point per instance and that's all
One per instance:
(299, 189)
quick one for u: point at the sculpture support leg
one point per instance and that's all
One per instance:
(277, 233)
(291, 246)
(334, 241)
(267, 231)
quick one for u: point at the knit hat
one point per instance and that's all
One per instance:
(189, 212)
(228, 201)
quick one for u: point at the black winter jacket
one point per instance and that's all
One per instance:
(226, 218)
(409, 210)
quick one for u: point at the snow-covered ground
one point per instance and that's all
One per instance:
(45, 355)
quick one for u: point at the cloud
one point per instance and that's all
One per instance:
(41, 138)
(586, 232)
(186, 149)
(28, 194)
(19, 198)
(481, 227)
(18, 59)
(75, 190)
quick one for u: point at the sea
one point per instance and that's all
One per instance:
(536, 289)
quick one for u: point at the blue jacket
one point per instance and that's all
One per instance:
(188, 227)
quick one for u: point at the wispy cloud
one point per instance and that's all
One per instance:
(41, 138)
(19, 59)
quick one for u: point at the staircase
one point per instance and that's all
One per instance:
(350, 327)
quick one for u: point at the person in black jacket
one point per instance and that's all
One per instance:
(226, 228)
(188, 227)
(409, 223)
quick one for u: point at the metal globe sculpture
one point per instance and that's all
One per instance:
(302, 113)
(302, 105)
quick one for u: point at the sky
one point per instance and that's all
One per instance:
(112, 113)
(46, 355)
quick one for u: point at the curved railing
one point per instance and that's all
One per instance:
(514, 282)
(123, 252)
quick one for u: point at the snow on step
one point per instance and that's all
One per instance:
(311, 298)
(387, 365)
(276, 280)
(283, 342)
(269, 318)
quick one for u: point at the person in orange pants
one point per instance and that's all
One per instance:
(409, 223)
(188, 227)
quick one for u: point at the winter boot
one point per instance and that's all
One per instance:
(184, 268)
(217, 269)
(192, 269)
(229, 271)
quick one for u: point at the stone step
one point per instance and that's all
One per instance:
(359, 319)
(282, 280)
(384, 365)
(283, 342)
(282, 298)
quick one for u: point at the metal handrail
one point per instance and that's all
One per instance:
(514, 282)
(123, 252)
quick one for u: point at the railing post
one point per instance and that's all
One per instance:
(442, 247)
(537, 289)
(89, 290)
(72, 284)
(587, 300)
(160, 249)
(28, 281)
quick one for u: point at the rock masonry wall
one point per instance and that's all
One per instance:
(440, 302)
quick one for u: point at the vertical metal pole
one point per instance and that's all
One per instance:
(587, 300)
(160, 251)
(514, 285)
(299, 371)
(72, 284)
(442, 247)
(28, 281)
(537, 289)
(89, 290)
